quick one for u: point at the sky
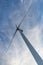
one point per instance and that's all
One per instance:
(11, 13)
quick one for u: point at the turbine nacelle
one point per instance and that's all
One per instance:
(18, 29)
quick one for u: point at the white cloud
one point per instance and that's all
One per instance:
(16, 58)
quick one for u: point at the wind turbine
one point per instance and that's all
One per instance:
(18, 28)
(34, 53)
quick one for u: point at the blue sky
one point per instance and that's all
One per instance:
(11, 13)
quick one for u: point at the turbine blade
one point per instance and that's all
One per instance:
(24, 16)
(11, 41)
(19, 24)
(14, 35)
